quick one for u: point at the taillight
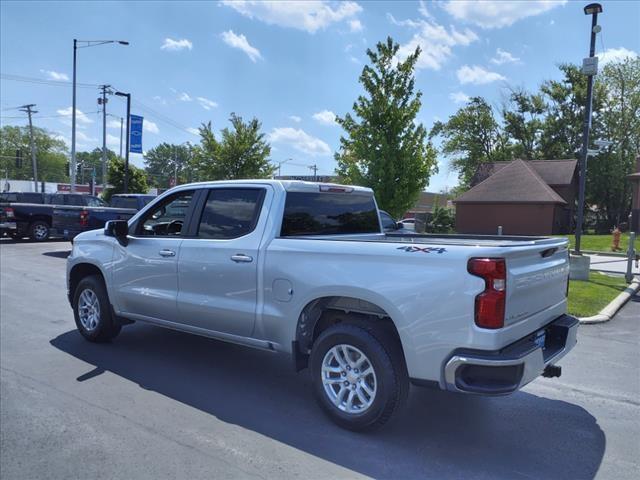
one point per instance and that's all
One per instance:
(84, 218)
(9, 212)
(490, 303)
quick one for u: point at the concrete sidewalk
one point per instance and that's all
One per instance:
(609, 263)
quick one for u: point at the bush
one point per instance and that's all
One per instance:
(442, 220)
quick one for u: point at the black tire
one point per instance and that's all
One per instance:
(106, 329)
(39, 231)
(385, 355)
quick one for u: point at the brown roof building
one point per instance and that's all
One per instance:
(524, 197)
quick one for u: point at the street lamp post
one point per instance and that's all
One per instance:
(84, 44)
(590, 69)
(126, 153)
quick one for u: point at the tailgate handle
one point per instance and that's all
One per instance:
(548, 252)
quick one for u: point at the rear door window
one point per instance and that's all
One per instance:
(124, 202)
(230, 213)
(329, 214)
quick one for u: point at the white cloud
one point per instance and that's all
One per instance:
(311, 15)
(498, 13)
(206, 103)
(295, 118)
(160, 100)
(59, 76)
(240, 42)
(150, 126)
(614, 55)
(113, 141)
(477, 75)
(436, 43)
(114, 124)
(83, 137)
(300, 140)
(184, 97)
(175, 45)
(355, 25)
(193, 131)
(81, 118)
(459, 97)
(502, 56)
(325, 117)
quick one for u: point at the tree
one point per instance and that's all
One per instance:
(471, 137)
(87, 161)
(442, 220)
(384, 147)
(618, 121)
(115, 177)
(241, 153)
(164, 161)
(523, 121)
(51, 154)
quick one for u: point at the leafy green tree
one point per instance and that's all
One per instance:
(115, 177)
(87, 161)
(472, 136)
(523, 121)
(164, 161)
(242, 152)
(384, 148)
(618, 121)
(442, 220)
(51, 154)
(564, 115)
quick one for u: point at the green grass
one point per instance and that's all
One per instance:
(588, 298)
(601, 243)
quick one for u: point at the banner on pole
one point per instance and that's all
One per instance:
(135, 135)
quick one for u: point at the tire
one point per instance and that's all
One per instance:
(92, 311)
(389, 381)
(39, 231)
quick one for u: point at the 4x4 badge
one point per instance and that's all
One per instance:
(413, 248)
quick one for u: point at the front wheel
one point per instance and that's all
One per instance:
(358, 375)
(92, 310)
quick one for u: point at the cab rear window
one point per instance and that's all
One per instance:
(329, 214)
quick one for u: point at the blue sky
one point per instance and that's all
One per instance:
(292, 65)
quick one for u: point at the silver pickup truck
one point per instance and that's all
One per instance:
(305, 269)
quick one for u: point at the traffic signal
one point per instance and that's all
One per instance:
(18, 158)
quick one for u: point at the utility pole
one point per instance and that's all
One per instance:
(73, 121)
(589, 68)
(314, 167)
(103, 101)
(121, 122)
(126, 159)
(28, 110)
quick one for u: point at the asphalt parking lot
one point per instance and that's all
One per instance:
(162, 404)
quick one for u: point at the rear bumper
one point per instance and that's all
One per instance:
(5, 226)
(511, 368)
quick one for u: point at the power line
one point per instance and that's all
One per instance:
(42, 81)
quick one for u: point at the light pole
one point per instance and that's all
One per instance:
(126, 153)
(84, 44)
(282, 163)
(589, 68)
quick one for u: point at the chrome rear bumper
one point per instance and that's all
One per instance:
(511, 368)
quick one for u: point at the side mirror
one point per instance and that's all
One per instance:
(118, 229)
(399, 226)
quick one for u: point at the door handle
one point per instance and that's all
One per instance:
(241, 258)
(167, 253)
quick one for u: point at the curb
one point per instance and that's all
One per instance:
(616, 304)
(606, 254)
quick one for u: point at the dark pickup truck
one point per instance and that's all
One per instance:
(33, 215)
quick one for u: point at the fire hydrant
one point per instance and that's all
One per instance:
(616, 239)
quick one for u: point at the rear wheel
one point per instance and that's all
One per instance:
(358, 376)
(92, 310)
(39, 231)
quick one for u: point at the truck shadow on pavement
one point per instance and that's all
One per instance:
(438, 435)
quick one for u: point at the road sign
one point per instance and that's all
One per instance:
(135, 137)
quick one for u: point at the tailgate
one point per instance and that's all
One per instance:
(537, 279)
(66, 218)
